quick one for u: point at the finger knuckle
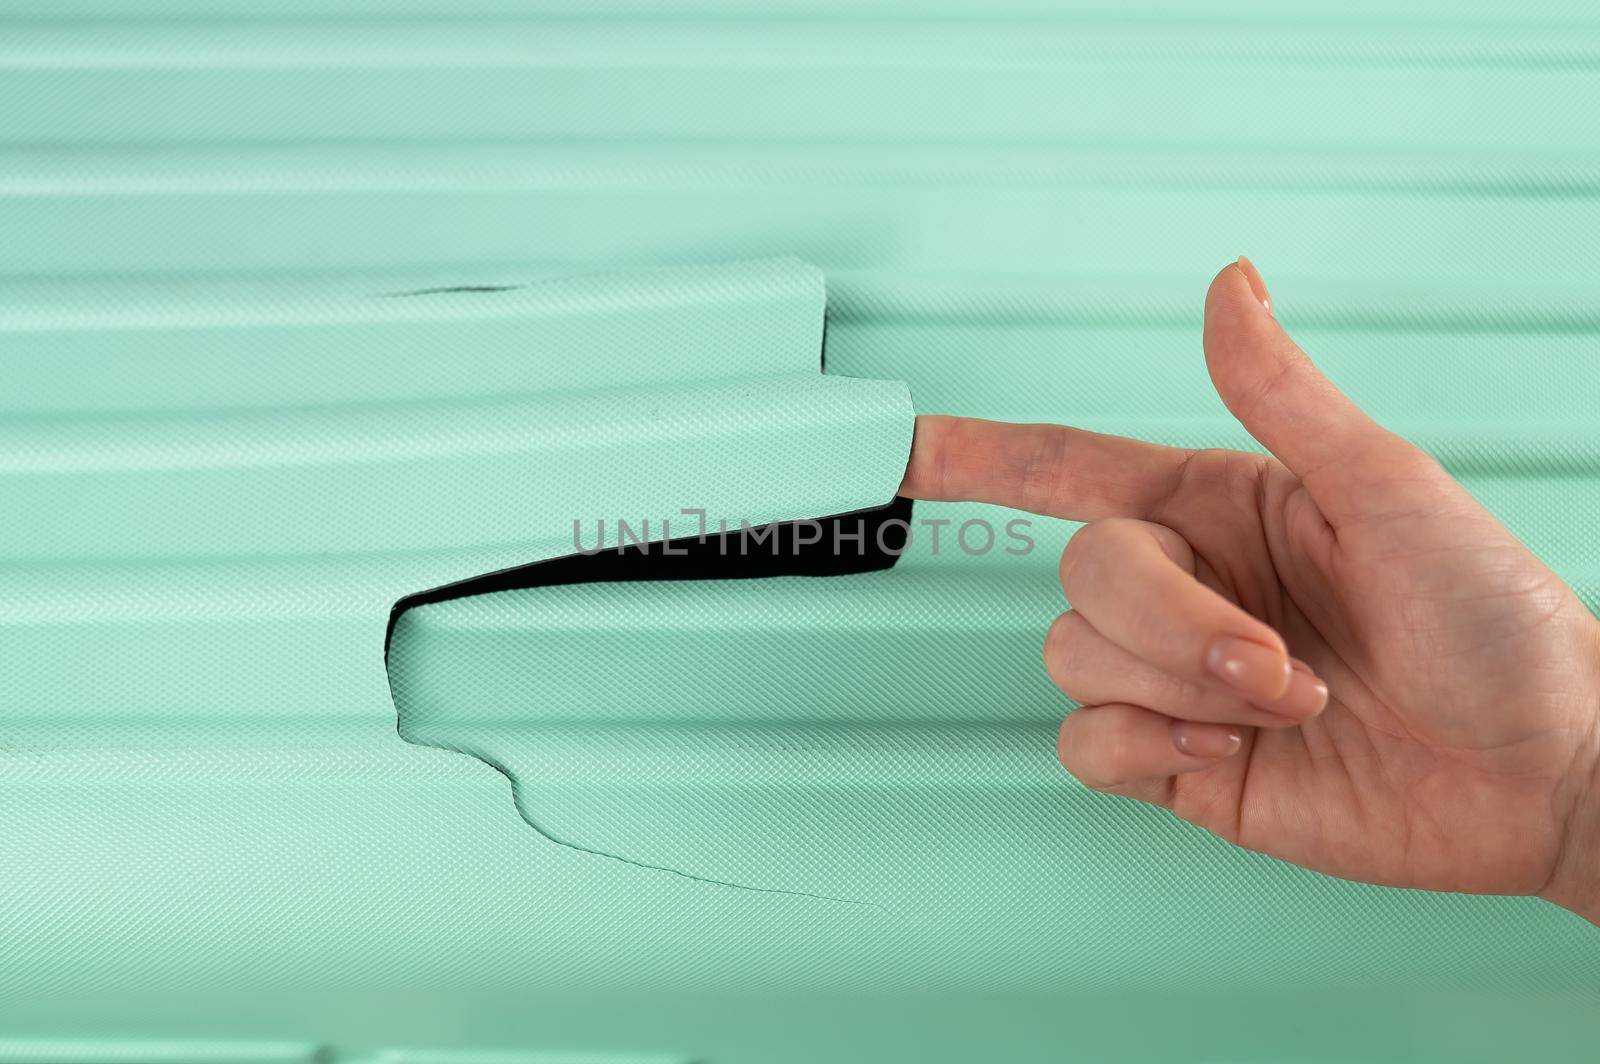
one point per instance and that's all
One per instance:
(1085, 772)
(1116, 762)
(1057, 637)
(1063, 653)
(1038, 471)
(1105, 752)
(1103, 786)
(1214, 472)
(1084, 551)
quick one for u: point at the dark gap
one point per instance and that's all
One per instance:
(826, 546)
(452, 288)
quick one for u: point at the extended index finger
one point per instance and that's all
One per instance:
(1046, 469)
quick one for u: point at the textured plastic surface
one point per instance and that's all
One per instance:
(231, 440)
(232, 565)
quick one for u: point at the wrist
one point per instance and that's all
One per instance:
(1575, 883)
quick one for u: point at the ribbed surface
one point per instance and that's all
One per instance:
(287, 239)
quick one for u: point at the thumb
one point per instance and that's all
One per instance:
(1347, 461)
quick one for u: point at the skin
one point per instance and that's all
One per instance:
(1333, 655)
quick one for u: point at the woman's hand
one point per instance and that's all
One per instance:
(1335, 656)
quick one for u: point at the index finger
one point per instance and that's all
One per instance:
(1051, 470)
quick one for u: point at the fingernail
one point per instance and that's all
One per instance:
(1257, 285)
(1261, 674)
(1209, 741)
(1306, 696)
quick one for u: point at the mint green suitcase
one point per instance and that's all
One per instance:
(310, 312)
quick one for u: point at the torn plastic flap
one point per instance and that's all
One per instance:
(291, 530)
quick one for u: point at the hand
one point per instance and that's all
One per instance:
(1335, 656)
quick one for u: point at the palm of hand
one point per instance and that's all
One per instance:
(1448, 649)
